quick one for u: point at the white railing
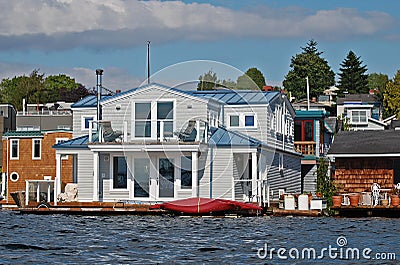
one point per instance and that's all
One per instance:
(40, 190)
(245, 193)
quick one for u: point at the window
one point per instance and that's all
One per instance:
(186, 172)
(36, 148)
(142, 119)
(234, 121)
(86, 121)
(242, 121)
(249, 120)
(14, 154)
(14, 177)
(120, 176)
(358, 116)
(141, 174)
(165, 115)
(304, 130)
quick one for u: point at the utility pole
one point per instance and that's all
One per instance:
(308, 94)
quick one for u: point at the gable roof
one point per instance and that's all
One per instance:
(353, 143)
(79, 142)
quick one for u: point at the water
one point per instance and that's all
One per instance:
(63, 239)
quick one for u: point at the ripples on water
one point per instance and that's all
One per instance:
(61, 239)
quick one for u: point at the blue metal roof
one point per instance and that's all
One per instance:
(238, 97)
(231, 97)
(223, 137)
(79, 142)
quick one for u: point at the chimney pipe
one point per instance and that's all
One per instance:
(99, 73)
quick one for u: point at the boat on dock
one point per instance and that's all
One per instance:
(203, 206)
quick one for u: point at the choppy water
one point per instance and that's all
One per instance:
(63, 239)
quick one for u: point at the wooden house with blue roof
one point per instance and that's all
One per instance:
(157, 143)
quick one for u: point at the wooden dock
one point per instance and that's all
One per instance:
(366, 211)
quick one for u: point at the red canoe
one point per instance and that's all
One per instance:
(205, 205)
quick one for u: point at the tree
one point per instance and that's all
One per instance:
(309, 64)
(28, 87)
(37, 89)
(252, 79)
(377, 81)
(208, 81)
(325, 184)
(391, 96)
(352, 77)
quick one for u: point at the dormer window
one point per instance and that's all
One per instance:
(243, 120)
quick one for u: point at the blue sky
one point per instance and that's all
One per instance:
(77, 36)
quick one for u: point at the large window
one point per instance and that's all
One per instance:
(165, 115)
(186, 172)
(120, 176)
(143, 120)
(304, 130)
(141, 174)
(36, 148)
(358, 116)
(14, 146)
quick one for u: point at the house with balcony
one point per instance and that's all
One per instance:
(314, 132)
(158, 143)
(360, 112)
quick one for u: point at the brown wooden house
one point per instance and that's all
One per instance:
(361, 158)
(29, 155)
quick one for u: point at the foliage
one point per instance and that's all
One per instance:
(352, 77)
(28, 87)
(377, 81)
(227, 84)
(35, 88)
(309, 63)
(208, 81)
(325, 184)
(252, 79)
(391, 96)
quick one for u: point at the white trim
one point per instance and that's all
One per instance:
(11, 149)
(242, 121)
(83, 118)
(33, 149)
(15, 179)
(128, 174)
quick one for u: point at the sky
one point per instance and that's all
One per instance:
(188, 38)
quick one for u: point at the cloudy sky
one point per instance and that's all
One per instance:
(189, 38)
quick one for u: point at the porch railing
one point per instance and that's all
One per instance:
(305, 147)
(40, 191)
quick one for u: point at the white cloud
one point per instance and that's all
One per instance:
(66, 24)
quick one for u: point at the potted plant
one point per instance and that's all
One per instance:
(354, 199)
(394, 197)
(337, 200)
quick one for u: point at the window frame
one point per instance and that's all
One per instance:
(359, 116)
(242, 120)
(11, 149)
(112, 178)
(83, 122)
(183, 171)
(34, 149)
(12, 173)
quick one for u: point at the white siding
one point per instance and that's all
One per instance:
(85, 175)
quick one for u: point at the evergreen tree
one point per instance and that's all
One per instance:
(352, 76)
(309, 63)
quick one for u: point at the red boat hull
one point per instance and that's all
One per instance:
(205, 206)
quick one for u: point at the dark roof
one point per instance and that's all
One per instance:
(366, 142)
(238, 97)
(222, 137)
(361, 98)
(23, 134)
(88, 102)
